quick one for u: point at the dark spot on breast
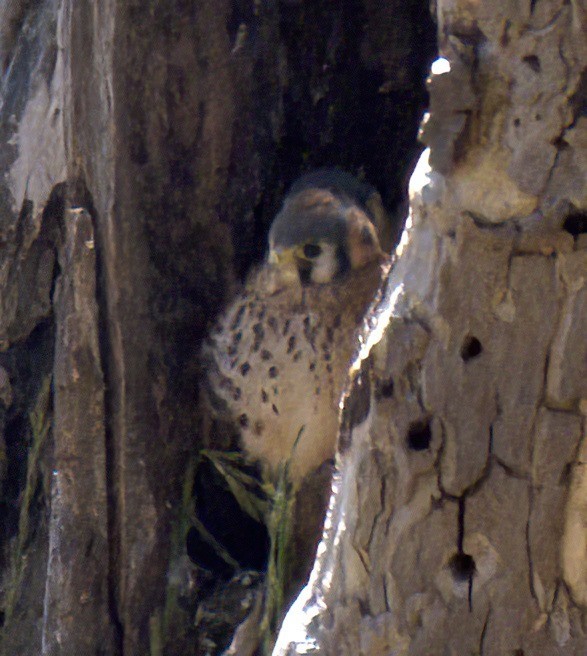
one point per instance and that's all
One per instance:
(273, 372)
(231, 350)
(236, 338)
(238, 317)
(275, 391)
(291, 344)
(329, 368)
(259, 336)
(317, 391)
(312, 366)
(264, 396)
(259, 427)
(330, 334)
(261, 313)
(237, 394)
(243, 420)
(274, 408)
(337, 321)
(286, 326)
(245, 368)
(297, 356)
(272, 323)
(266, 355)
(310, 332)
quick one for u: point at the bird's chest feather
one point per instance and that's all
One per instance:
(280, 367)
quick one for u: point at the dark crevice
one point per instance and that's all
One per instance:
(509, 470)
(461, 525)
(484, 633)
(462, 565)
(28, 363)
(79, 196)
(528, 549)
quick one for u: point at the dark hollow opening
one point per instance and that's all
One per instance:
(471, 348)
(576, 223)
(533, 62)
(419, 436)
(385, 388)
(462, 567)
(245, 540)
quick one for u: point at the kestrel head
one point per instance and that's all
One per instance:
(323, 229)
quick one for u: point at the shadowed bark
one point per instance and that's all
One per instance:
(145, 149)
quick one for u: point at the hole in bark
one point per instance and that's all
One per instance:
(576, 223)
(419, 435)
(385, 388)
(2, 618)
(462, 567)
(533, 62)
(471, 348)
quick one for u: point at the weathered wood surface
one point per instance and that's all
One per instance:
(163, 132)
(457, 523)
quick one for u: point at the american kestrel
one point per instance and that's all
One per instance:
(278, 361)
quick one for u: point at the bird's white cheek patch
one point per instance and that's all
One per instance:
(325, 267)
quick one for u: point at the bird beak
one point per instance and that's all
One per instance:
(283, 257)
(284, 268)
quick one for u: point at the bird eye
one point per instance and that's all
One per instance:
(312, 251)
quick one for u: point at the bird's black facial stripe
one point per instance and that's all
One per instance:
(312, 251)
(366, 236)
(305, 274)
(344, 264)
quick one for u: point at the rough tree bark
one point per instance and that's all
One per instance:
(144, 149)
(457, 522)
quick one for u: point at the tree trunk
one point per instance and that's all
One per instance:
(144, 149)
(457, 521)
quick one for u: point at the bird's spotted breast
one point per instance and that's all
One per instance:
(279, 360)
(281, 367)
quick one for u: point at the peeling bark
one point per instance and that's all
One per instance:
(76, 592)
